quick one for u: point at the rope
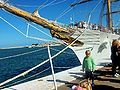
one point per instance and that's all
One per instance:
(63, 67)
(42, 31)
(93, 10)
(22, 32)
(59, 50)
(21, 54)
(64, 12)
(25, 78)
(51, 64)
(62, 42)
(48, 4)
(28, 25)
(26, 72)
(42, 4)
(58, 2)
(33, 76)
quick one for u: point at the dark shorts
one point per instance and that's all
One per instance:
(89, 74)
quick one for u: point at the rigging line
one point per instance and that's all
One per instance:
(102, 13)
(25, 5)
(117, 23)
(12, 26)
(59, 50)
(63, 67)
(27, 32)
(93, 10)
(64, 12)
(26, 72)
(42, 5)
(5, 1)
(22, 32)
(36, 29)
(38, 5)
(40, 30)
(58, 2)
(73, 14)
(40, 39)
(52, 70)
(25, 78)
(21, 54)
(55, 3)
(72, 18)
(63, 43)
(81, 2)
(48, 4)
(47, 34)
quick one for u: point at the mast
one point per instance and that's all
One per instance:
(109, 20)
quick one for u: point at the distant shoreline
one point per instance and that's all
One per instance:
(27, 46)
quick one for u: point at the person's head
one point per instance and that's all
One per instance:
(114, 42)
(87, 53)
(118, 44)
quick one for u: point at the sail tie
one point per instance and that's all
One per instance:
(35, 13)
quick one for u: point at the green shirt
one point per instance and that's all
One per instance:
(88, 64)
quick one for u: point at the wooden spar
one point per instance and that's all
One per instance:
(56, 30)
(81, 2)
(30, 17)
(109, 14)
(114, 12)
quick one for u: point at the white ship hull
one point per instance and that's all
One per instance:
(101, 51)
(98, 42)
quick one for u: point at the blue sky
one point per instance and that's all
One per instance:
(9, 37)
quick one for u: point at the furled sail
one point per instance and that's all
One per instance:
(56, 30)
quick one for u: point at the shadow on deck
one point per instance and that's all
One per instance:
(103, 80)
(104, 87)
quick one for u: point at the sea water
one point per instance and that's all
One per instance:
(17, 60)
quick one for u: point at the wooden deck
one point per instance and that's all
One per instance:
(103, 80)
